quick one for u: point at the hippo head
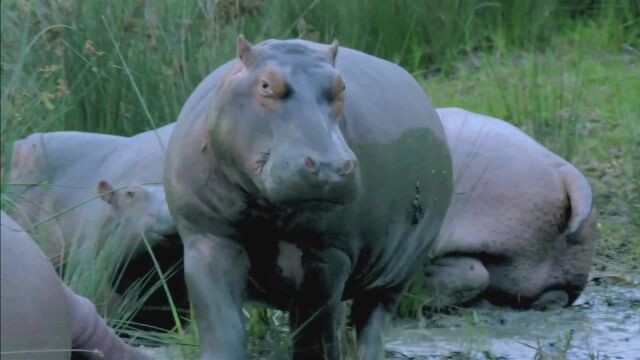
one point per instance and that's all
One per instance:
(136, 210)
(276, 123)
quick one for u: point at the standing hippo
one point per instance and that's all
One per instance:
(41, 317)
(520, 229)
(299, 176)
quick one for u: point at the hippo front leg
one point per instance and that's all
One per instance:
(314, 313)
(90, 332)
(369, 314)
(454, 280)
(216, 273)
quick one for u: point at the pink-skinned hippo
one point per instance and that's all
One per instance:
(42, 318)
(520, 229)
(108, 183)
(292, 177)
(54, 176)
(141, 210)
(134, 210)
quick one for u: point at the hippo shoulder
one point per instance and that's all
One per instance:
(382, 100)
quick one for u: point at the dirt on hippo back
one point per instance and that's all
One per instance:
(604, 323)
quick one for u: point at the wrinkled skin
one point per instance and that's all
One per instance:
(40, 313)
(295, 182)
(69, 168)
(520, 229)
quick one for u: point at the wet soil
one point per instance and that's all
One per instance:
(604, 323)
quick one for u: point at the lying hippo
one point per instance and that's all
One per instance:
(54, 177)
(41, 317)
(299, 176)
(135, 210)
(520, 229)
(61, 173)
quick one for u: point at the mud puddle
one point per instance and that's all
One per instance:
(604, 323)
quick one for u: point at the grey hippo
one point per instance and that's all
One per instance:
(521, 227)
(298, 176)
(42, 318)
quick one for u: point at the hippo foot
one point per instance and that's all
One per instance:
(554, 299)
(451, 281)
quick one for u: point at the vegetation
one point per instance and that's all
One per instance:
(566, 71)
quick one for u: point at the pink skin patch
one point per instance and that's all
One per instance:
(205, 248)
(290, 262)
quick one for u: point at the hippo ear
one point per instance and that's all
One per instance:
(106, 191)
(245, 51)
(332, 52)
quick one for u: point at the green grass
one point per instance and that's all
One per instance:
(565, 71)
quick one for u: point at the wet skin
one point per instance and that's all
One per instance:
(290, 189)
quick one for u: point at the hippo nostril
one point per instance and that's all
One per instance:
(347, 167)
(310, 163)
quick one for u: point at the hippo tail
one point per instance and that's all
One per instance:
(18, 153)
(90, 332)
(26, 165)
(580, 199)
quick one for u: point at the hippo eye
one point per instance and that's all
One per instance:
(265, 88)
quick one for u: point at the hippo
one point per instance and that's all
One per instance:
(299, 175)
(42, 318)
(134, 210)
(53, 180)
(54, 172)
(520, 229)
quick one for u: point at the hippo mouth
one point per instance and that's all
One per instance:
(318, 204)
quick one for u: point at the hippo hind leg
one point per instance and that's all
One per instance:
(454, 280)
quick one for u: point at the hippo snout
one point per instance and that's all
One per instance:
(328, 171)
(313, 178)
